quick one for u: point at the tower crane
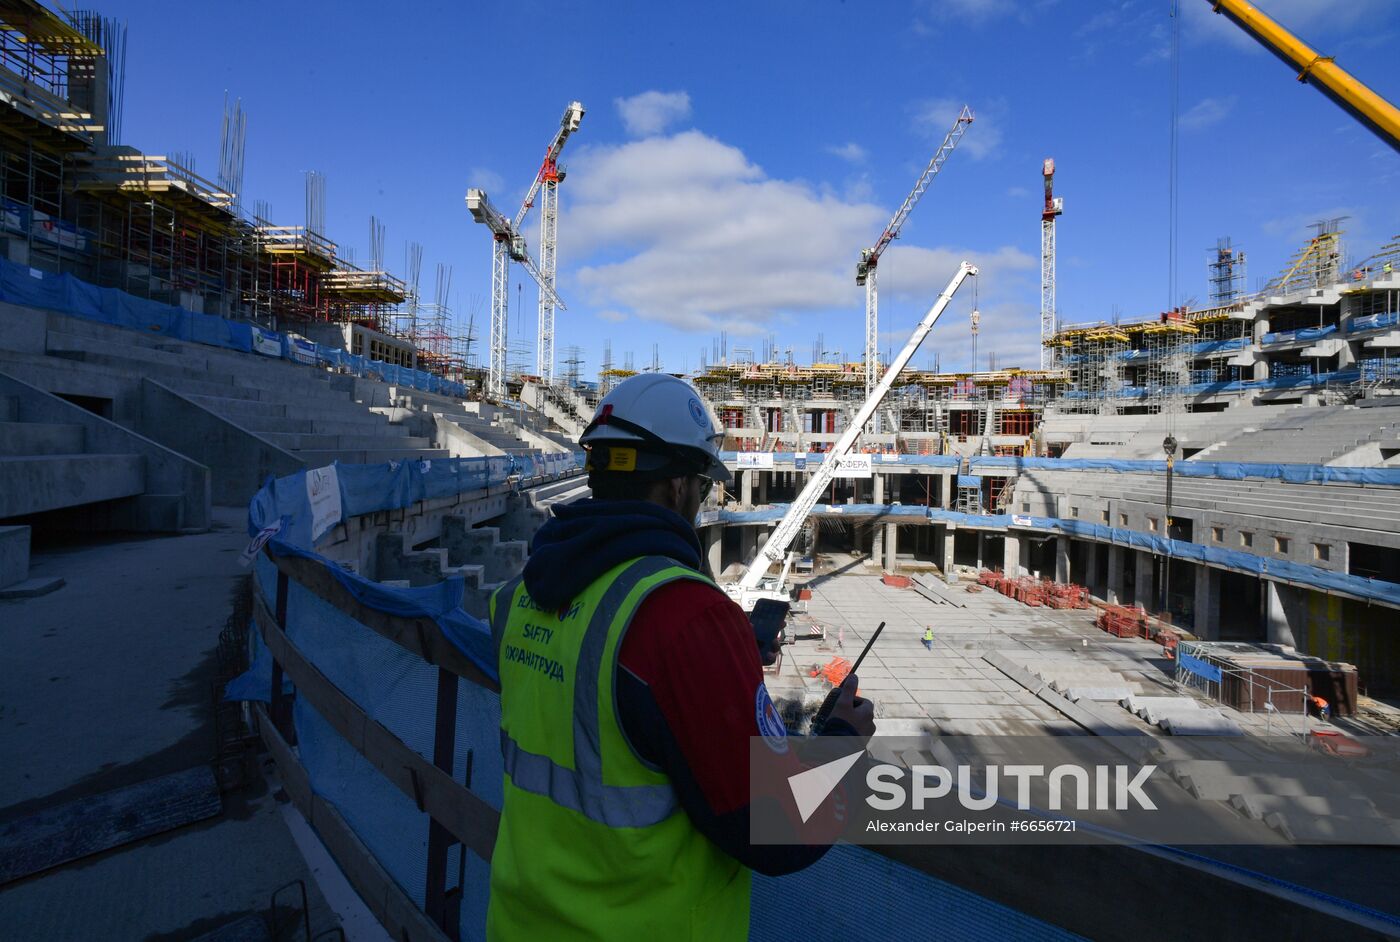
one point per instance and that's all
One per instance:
(870, 258)
(508, 243)
(546, 186)
(1054, 206)
(748, 590)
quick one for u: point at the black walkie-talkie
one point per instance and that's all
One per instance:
(829, 704)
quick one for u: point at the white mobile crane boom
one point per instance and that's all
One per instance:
(870, 258)
(747, 590)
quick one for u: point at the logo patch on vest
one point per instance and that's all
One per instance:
(770, 724)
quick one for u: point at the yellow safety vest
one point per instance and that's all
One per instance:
(593, 843)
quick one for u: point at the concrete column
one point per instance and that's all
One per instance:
(1011, 564)
(746, 487)
(981, 544)
(1115, 574)
(1091, 568)
(878, 482)
(949, 534)
(948, 490)
(1207, 604)
(1062, 559)
(1144, 592)
(1261, 327)
(891, 547)
(1277, 626)
(748, 539)
(763, 486)
(877, 542)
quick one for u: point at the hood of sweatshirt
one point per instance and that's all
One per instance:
(588, 537)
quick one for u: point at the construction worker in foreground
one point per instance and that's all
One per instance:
(630, 688)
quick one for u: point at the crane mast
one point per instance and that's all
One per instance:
(508, 244)
(870, 258)
(546, 185)
(776, 548)
(1054, 206)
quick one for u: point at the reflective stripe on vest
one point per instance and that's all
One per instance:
(582, 788)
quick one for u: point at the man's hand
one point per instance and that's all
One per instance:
(857, 712)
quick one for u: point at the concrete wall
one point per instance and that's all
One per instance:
(240, 461)
(178, 491)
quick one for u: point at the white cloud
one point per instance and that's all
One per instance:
(614, 317)
(488, 180)
(1206, 112)
(850, 152)
(686, 231)
(1006, 291)
(934, 117)
(652, 112)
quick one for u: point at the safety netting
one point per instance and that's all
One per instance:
(399, 690)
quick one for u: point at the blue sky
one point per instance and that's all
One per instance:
(735, 157)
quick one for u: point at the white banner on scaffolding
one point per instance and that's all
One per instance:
(756, 459)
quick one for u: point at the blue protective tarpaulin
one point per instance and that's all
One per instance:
(1225, 470)
(1298, 573)
(32, 287)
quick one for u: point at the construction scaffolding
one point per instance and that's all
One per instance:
(1317, 264)
(1227, 275)
(1166, 368)
(1093, 357)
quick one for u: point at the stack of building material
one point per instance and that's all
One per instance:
(1066, 595)
(1123, 622)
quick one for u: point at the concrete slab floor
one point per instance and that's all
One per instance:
(108, 682)
(954, 688)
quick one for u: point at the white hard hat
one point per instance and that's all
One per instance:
(654, 423)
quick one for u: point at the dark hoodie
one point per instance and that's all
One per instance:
(588, 537)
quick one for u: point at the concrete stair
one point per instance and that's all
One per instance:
(31, 484)
(478, 554)
(307, 412)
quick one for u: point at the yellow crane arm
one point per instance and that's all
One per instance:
(1334, 81)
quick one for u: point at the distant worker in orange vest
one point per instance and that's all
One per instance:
(1324, 710)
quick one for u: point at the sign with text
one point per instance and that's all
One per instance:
(756, 459)
(853, 466)
(323, 493)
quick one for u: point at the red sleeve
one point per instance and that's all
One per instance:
(695, 650)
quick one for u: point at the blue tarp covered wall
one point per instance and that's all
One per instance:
(1298, 573)
(1225, 470)
(30, 287)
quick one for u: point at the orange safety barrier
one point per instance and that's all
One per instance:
(834, 670)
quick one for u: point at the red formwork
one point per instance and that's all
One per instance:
(1036, 592)
(1123, 622)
